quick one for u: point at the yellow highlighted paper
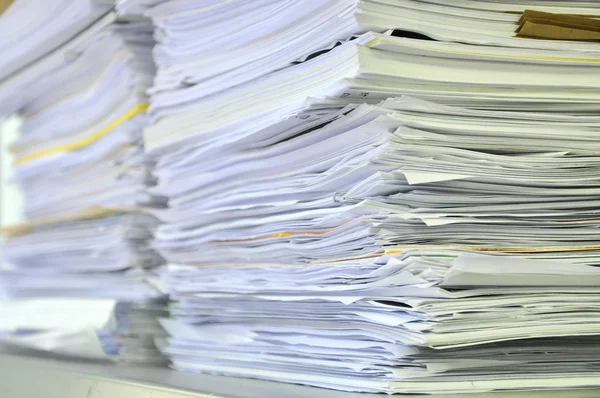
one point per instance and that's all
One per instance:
(85, 141)
(87, 213)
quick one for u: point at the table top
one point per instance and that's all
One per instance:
(40, 376)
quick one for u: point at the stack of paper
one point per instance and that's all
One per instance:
(207, 51)
(227, 194)
(32, 29)
(84, 175)
(135, 8)
(385, 214)
(96, 257)
(421, 321)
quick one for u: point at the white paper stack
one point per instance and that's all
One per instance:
(102, 257)
(134, 8)
(421, 321)
(81, 166)
(403, 172)
(387, 213)
(213, 59)
(23, 40)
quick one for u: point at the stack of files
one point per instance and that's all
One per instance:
(54, 38)
(32, 29)
(80, 163)
(376, 216)
(207, 52)
(135, 8)
(97, 257)
(344, 181)
(336, 190)
(419, 321)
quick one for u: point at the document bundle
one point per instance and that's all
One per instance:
(22, 42)
(417, 321)
(378, 196)
(83, 259)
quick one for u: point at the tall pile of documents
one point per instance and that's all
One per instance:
(382, 196)
(79, 268)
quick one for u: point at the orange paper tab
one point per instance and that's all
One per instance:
(544, 25)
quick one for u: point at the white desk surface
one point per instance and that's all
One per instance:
(23, 376)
